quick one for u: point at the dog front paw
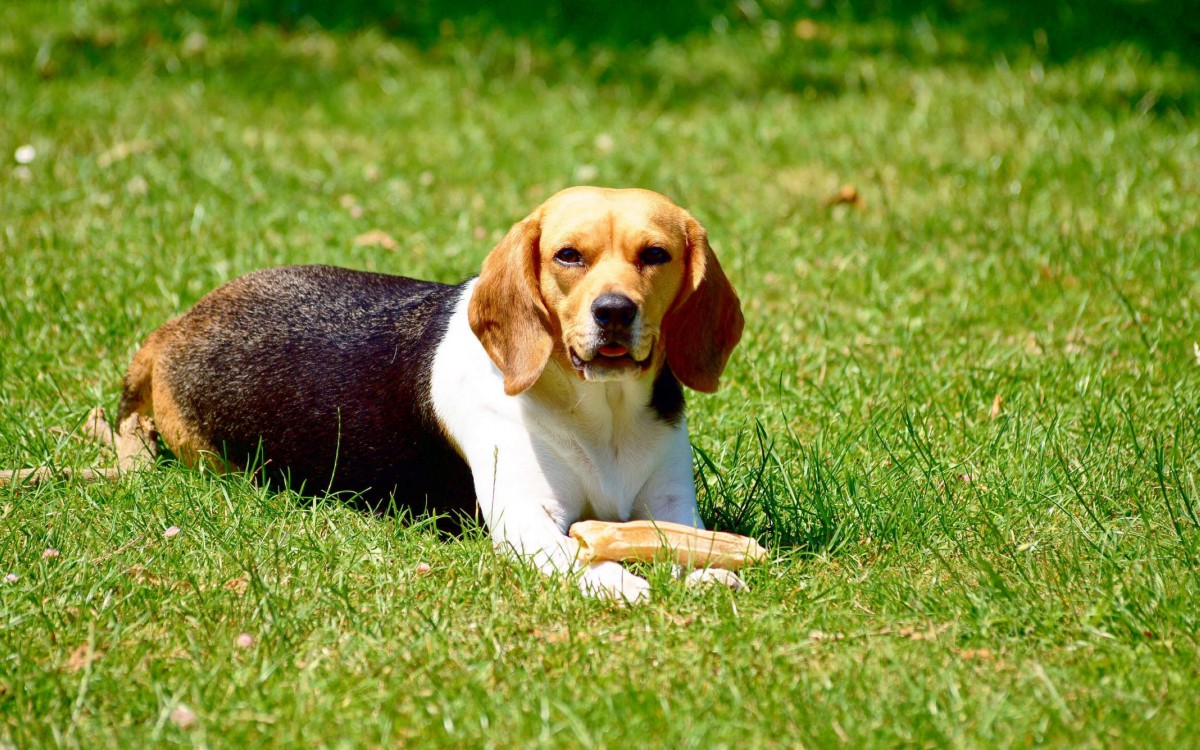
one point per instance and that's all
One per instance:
(608, 580)
(706, 576)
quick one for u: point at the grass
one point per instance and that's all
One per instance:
(965, 415)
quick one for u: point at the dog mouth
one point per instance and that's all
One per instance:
(608, 358)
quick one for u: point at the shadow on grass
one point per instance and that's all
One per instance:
(1057, 30)
(449, 521)
(676, 54)
(812, 47)
(618, 23)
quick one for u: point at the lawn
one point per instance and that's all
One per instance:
(964, 418)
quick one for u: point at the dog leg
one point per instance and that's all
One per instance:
(534, 537)
(136, 443)
(710, 576)
(609, 580)
(97, 428)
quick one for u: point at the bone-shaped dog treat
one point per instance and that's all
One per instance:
(647, 541)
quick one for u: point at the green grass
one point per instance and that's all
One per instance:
(941, 576)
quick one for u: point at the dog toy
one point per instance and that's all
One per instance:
(647, 541)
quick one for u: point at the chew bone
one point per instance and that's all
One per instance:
(647, 541)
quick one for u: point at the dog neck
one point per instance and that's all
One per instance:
(562, 389)
(612, 410)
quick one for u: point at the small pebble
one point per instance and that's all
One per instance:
(183, 717)
(586, 172)
(11, 577)
(171, 532)
(137, 186)
(25, 154)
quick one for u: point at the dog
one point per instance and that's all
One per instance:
(545, 391)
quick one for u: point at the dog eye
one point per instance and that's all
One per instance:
(569, 256)
(654, 256)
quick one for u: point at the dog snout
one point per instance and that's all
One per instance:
(614, 311)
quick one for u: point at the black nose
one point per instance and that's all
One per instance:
(612, 310)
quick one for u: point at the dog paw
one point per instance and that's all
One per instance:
(706, 576)
(608, 580)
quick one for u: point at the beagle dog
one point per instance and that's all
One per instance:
(545, 391)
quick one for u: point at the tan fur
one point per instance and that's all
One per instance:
(527, 308)
(706, 321)
(506, 311)
(179, 433)
(136, 396)
(147, 392)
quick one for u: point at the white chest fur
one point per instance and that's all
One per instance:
(605, 436)
(565, 449)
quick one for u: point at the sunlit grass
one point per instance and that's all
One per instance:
(965, 416)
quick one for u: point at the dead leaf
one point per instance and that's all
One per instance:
(237, 585)
(552, 636)
(922, 635)
(376, 238)
(83, 657)
(983, 655)
(806, 29)
(123, 151)
(996, 402)
(144, 576)
(1055, 274)
(150, 578)
(847, 194)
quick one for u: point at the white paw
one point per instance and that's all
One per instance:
(608, 580)
(705, 576)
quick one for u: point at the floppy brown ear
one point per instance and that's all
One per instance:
(506, 311)
(706, 322)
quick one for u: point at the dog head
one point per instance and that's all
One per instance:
(609, 284)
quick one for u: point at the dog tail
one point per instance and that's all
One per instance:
(134, 439)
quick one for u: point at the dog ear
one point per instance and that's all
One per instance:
(506, 311)
(705, 323)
